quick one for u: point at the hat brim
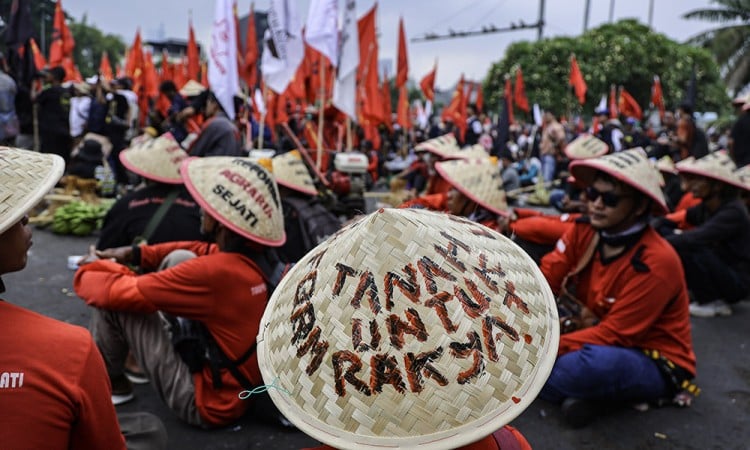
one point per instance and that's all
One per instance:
(703, 173)
(27, 177)
(471, 195)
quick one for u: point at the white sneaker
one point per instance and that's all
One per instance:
(713, 309)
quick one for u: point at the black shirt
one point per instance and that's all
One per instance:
(54, 110)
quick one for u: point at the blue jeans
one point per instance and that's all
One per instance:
(548, 167)
(598, 372)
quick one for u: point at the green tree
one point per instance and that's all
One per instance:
(625, 53)
(729, 43)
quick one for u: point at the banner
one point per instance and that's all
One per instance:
(283, 47)
(345, 86)
(222, 62)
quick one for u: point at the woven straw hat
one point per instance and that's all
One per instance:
(156, 159)
(191, 89)
(408, 329)
(586, 146)
(440, 146)
(290, 171)
(25, 177)
(476, 151)
(717, 166)
(744, 175)
(631, 167)
(477, 179)
(239, 193)
(666, 165)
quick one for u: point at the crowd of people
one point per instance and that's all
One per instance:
(202, 232)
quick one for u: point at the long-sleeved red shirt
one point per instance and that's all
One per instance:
(225, 291)
(54, 390)
(640, 297)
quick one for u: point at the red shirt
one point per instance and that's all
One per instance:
(225, 291)
(54, 389)
(640, 297)
(542, 229)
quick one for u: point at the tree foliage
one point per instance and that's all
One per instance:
(730, 43)
(90, 40)
(625, 53)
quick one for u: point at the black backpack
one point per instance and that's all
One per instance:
(700, 143)
(315, 221)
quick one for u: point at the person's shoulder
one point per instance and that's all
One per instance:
(41, 329)
(654, 251)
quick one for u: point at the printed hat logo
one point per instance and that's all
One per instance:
(477, 179)
(157, 159)
(631, 167)
(586, 146)
(408, 328)
(290, 171)
(239, 193)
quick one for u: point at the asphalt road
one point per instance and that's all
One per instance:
(717, 420)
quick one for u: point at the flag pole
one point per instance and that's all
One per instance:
(263, 117)
(348, 133)
(320, 110)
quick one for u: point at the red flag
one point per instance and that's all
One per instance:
(613, 109)
(369, 94)
(657, 96)
(105, 68)
(479, 102)
(519, 95)
(193, 57)
(629, 106)
(249, 71)
(577, 81)
(39, 61)
(166, 68)
(134, 62)
(402, 110)
(387, 111)
(402, 71)
(71, 71)
(62, 40)
(428, 84)
(508, 95)
(456, 112)
(150, 77)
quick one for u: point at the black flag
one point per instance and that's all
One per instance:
(503, 128)
(691, 94)
(17, 34)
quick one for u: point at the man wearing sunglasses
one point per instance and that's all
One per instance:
(635, 344)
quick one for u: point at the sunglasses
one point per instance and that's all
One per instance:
(609, 198)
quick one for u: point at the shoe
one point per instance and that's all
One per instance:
(136, 377)
(713, 309)
(122, 389)
(578, 412)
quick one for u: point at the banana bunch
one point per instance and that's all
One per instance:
(79, 218)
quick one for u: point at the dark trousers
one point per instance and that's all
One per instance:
(710, 278)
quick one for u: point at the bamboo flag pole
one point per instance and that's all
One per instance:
(263, 117)
(348, 133)
(319, 161)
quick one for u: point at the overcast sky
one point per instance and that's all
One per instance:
(471, 55)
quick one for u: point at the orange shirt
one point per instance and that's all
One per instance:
(543, 229)
(225, 291)
(54, 389)
(640, 297)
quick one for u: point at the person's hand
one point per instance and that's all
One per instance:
(122, 255)
(503, 222)
(89, 257)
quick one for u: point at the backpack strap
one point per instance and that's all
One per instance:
(158, 216)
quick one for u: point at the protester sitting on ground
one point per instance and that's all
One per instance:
(622, 297)
(364, 324)
(306, 221)
(508, 171)
(219, 136)
(214, 301)
(142, 214)
(55, 392)
(716, 251)
(444, 148)
(476, 192)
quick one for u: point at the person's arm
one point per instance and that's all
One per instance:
(557, 264)
(96, 423)
(617, 140)
(719, 227)
(637, 306)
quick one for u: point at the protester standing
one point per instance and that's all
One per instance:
(53, 112)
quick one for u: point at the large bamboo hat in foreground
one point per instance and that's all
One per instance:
(408, 329)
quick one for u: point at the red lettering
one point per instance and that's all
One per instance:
(357, 341)
(384, 370)
(430, 270)
(472, 349)
(318, 349)
(344, 271)
(303, 320)
(438, 302)
(407, 285)
(512, 297)
(421, 364)
(305, 288)
(483, 272)
(367, 286)
(489, 340)
(341, 375)
(451, 252)
(472, 309)
(397, 328)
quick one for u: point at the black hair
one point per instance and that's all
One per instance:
(58, 73)
(167, 87)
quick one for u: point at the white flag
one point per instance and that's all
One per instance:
(537, 115)
(260, 105)
(602, 104)
(321, 29)
(222, 63)
(345, 85)
(283, 48)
